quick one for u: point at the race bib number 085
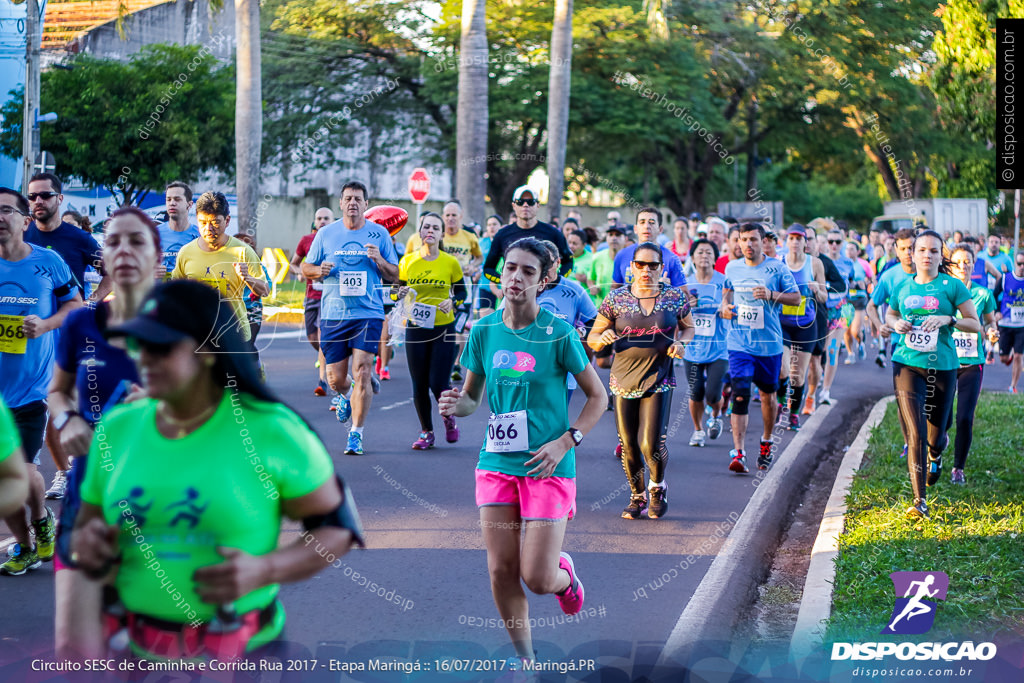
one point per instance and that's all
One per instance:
(966, 344)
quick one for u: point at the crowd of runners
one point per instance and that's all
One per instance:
(135, 374)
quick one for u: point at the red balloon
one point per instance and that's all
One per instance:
(393, 218)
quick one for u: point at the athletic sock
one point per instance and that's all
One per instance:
(797, 401)
(653, 484)
(356, 430)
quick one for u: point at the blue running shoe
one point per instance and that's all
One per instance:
(343, 408)
(355, 443)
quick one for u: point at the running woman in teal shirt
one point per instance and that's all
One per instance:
(924, 366)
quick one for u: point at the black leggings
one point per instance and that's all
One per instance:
(705, 379)
(431, 354)
(968, 389)
(642, 424)
(924, 397)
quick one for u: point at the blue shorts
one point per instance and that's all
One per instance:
(746, 369)
(339, 337)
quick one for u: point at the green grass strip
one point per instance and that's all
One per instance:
(975, 534)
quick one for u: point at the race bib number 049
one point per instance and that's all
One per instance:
(352, 283)
(507, 433)
(423, 315)
(12, 334)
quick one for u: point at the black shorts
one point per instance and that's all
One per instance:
(859, 303)
(820, 332)
(1011, 339)
(311, 316)
(30, 419)
(800, 338)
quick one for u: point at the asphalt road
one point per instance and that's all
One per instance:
(420, 592)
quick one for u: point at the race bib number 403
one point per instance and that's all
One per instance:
(352, 283)
(507, 433)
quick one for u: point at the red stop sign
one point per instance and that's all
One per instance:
(419, 185)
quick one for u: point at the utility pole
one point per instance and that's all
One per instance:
(29, 126)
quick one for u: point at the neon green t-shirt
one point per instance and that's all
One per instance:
(176, 500)
(10, 440)
(525, 370)
(432, 280)
(914, 302)
(970, 346)
(601, 268)
(581, 266)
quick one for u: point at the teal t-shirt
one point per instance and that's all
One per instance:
(526, 370)
(914, 301)
(970, 346)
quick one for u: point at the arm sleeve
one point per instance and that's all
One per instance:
(493, 257)
(65, 286)
(458, 281)
(565, 252)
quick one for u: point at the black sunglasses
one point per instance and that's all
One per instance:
(525, 202)
(835, 241)
(41, 195)
(136, 345)
(649, 265)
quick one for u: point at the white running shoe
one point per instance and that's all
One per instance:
(698, 438)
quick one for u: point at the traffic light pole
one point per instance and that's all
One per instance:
(29, 127)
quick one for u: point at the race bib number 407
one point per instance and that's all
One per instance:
(751, 316)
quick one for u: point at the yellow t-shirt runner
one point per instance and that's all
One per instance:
(433, 282)
(217, 269)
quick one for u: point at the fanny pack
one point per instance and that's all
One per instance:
(225, 637)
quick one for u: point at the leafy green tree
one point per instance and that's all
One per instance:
(165, 115)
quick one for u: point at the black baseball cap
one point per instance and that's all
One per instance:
(614, 228)
(695, 216)
(178, 310)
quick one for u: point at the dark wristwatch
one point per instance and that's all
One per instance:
(576, 435)
(62, 419)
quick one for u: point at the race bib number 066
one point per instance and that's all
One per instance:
(507, 433)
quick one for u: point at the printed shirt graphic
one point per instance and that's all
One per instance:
(1011, 298)
(173, 522)
(36, 285)
(742, 279)
(525, 370)
(217, 269)
(77, 247)
(346, 249)
(171, 242)
(432, 280)
(916, 592)
(914, 302)
(641, 364)
(707, 349)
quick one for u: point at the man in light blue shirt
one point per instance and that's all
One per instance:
(352, 257)
(177, 231)
(648, 227)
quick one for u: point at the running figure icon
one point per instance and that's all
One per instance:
(916, 608)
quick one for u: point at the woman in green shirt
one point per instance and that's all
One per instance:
(186, 490)
(970, 348)
(924, 310)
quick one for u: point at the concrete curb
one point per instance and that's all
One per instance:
(816, 602)
(729, 584)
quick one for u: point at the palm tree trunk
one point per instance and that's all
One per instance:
(248, 114)
(471, 130)
(559, 85)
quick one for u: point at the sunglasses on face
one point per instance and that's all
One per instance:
(137, 346)
(41, 195)
(835, 241)
(649, 265)
(1020, 264)
(525, 202)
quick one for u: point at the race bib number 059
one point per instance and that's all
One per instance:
(919, 340)
(507, 433)
(12, 334)
(352, 283)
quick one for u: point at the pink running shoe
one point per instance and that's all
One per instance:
(571, 601)
(451, 430)
(425, 441)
